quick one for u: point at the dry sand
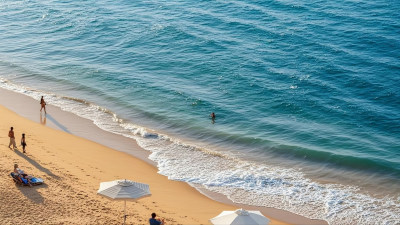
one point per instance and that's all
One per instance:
(73, 167)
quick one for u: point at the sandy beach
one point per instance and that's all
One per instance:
(73, 167)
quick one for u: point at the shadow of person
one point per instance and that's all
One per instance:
(43, 119)
(31, 193)
(37, 165)
(58, 124)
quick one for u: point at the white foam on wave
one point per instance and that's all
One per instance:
(271, 186)
(241, 181)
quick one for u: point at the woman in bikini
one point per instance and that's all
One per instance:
(43, 105)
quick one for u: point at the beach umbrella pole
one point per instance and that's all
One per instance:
(125, 213)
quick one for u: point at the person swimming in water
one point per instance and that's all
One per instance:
(212, 115)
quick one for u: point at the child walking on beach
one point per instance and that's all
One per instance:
(23, 143)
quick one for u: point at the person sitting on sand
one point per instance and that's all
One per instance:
(43, 105)
(22, 174)
(23, 143)
(154, 221)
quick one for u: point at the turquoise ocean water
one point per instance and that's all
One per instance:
(306, 93)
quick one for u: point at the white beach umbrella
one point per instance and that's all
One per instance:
(125, 190)
(240, 217)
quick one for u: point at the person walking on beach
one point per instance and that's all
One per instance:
(12, 138)
(154, 221)
(23, 143)
(43, 105)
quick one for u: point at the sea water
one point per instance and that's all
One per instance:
(306, 93)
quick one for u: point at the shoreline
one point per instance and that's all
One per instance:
(69, 123)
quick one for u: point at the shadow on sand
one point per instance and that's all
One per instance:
(31, 193)
(36, 164)
(58, 124)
